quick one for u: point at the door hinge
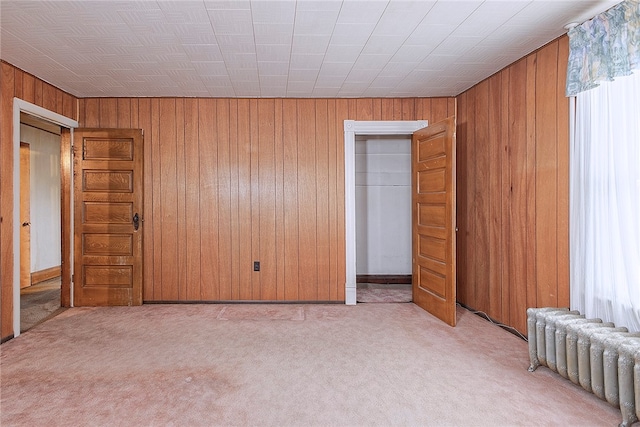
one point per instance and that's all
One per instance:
(73, 276)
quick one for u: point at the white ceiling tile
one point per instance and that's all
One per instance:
(273, 12)
(277, 47)
(342, 53)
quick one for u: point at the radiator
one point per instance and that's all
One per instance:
(598, 356)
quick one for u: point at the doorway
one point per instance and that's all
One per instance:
(383, 218)
(352, 129)
(25, 111)
(40, 220)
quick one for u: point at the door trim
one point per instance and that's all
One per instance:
(351, 129)
(19, 106)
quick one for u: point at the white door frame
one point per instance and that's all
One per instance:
(351, 129)
(21, 106)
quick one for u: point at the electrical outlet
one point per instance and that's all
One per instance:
(256, 265)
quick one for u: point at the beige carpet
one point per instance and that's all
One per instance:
(281, 365)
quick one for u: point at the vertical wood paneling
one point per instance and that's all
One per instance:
(29, 88)
(254, 163)
(307, 201)
(322, 198)
(518, 208)
(470, 252)
(37, 92)
(208, 200)
(439, 109)
(266, 199)
(562, 153)
(223, 207)
(49, 97)
(332, 207)
(192, 199)
(123, 111)
(290, 168)
(7, 85)
(279, 199)
(15, 82)
(168, 200)
(233, 206)
(462, 177)
(18, 75)
(494, 199)
(481, 194)
(90, 117)
(513, 147)
(505, 198)
(342, 109)
(244, 199)
(144, 122)
(156, 205)
(530, 172)
(546, 176)
(181, 217)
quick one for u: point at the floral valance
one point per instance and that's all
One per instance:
(605, 47)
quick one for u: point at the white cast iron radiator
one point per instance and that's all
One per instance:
(600, 357)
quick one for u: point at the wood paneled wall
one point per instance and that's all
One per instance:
(513, 188)
(232, 181)
(16, 83)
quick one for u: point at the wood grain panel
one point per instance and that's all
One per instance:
(494, 199)
(290, 168)
(156, 207)
(482, 194)
(29, 88)
(471, 182)
(530, 178)
(144, 121)
(518, 213)
(462, 176)
(279, 198)
(7, 90)
(108, 113)
(254, 183)
(322, 198)
(518, 208)
(244, 200)
(169, 238)
(546, 178)
(192, 200)
(266, 199)
(225, 243)
(208, 200)
(181, 200)
(307, 201)
(332, 214)
(562, 153)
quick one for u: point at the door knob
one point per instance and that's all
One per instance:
(136, 221)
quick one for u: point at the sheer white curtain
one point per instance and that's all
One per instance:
(605, 202)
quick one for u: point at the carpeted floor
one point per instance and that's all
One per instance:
(281, 365)
(381, 293)
(39, 302)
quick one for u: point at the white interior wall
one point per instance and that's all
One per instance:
(383, 205)
(45, 197)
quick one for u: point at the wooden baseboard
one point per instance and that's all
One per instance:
(384, 279)
(46, 274)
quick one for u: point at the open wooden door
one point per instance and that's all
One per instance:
(108, 217)
(433, 164)
(25, 215)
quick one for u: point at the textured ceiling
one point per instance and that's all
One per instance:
(265, 48)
